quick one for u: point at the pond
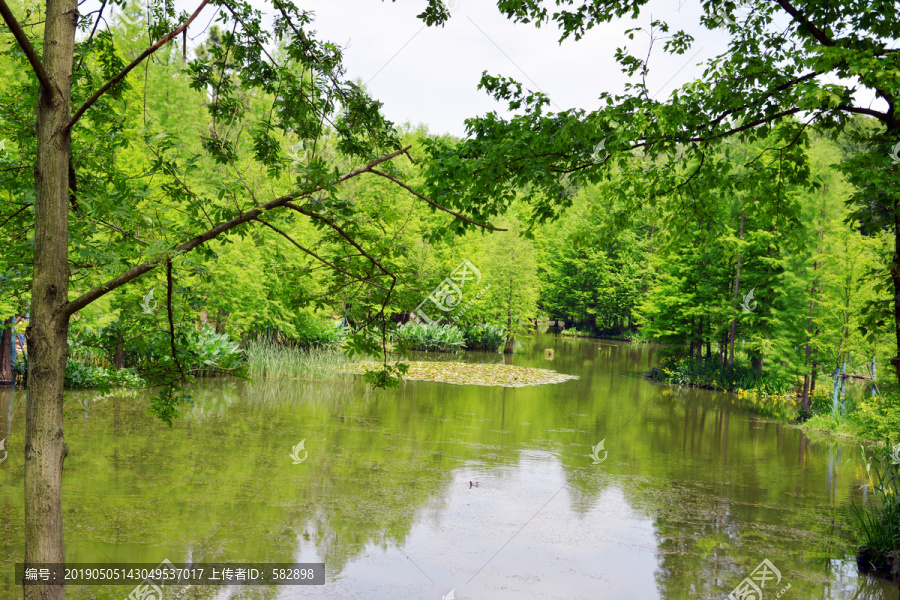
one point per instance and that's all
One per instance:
(689, 494)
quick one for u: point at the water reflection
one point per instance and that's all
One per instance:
(694, 494)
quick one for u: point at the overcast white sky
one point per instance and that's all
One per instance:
(430, 74)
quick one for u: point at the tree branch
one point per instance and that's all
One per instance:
(121, 75)
(101, 290)
(817, 33)
(27, 48)
(316, 256)
(434, 204)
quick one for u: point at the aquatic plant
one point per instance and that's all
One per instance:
(268, 359)
(483, 336)
(879, 526)
(429, 337)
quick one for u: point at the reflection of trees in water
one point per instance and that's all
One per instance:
(279, 392)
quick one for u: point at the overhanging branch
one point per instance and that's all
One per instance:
(93, 294)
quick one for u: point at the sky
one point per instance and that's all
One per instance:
(429, 75)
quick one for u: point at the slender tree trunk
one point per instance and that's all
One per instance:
(45, 448)
(737, 288)
(809, 377)
(119, 358)
(691, 353)
(510, 340)
(700, 340)
(895, 278)
(6, 350)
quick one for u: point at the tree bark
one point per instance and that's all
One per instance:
(6, 350)
(45, 448)
(895, 278)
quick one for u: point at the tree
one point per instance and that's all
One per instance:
(93, 218)
(786, 67)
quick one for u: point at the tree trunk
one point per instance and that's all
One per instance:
(45, 448)
(737, 287)
(895, 278)
(510, 341)
(700, 340)
(119, 358)
(6, 350)
(809, 378)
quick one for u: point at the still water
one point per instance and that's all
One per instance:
(690, 495)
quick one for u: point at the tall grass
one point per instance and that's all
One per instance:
(268, 359)
(880, 526)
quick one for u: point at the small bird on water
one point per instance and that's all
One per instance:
(471, 485)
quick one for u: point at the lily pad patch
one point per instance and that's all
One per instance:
(472, 373)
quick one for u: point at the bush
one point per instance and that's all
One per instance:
(202, 351)
(710, 373)
(572, 332)
(313, 332)
(879, 417)
(483, 337)
(429, 338)
(82, 376)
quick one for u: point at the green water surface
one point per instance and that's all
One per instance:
(691, 495)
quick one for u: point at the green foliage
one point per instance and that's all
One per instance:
(483, 336)
(312, 332)
(198, 352)
(389, 376)
(878, 418)
(573, 332)
(714, 375)
(429, 337)
(84, 376)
